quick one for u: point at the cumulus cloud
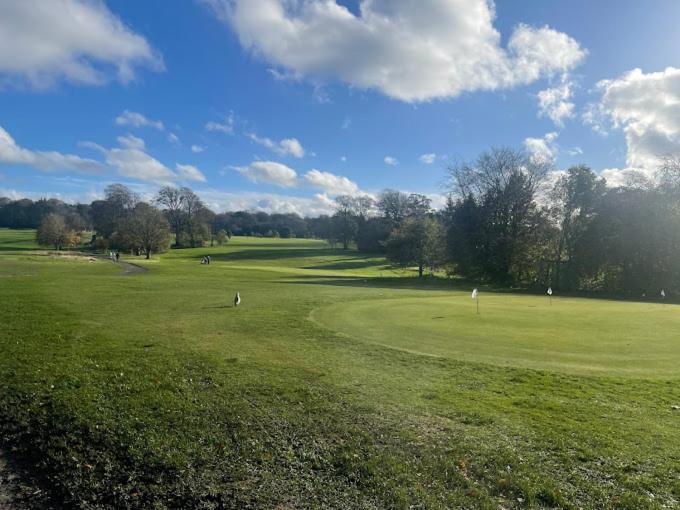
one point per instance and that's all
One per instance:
(427, 159)
(131, 160)
(411, 51)
(173, 138)
(647, 108)
(389, 160)
(331, 183)
(269, 172)
(555, 103)
(135, 163)
(189, 173)
(543, 150)
(197, 148)
(136, 119)
(285, 147)
(13, 154)
(78, 41)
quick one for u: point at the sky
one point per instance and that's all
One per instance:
(281, 105)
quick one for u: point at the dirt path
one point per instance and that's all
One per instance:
(130, 268)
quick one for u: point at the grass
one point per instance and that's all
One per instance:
(333, 386)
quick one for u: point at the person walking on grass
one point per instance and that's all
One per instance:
(117, 256)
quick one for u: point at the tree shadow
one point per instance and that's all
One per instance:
(277, 254)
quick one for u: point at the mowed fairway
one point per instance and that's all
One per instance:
(339, 383)
(581, 336)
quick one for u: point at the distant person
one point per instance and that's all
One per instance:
(203, 260)
(117, 256)
(208, 259)
(237, 299)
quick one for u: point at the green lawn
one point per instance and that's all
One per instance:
(339, 383)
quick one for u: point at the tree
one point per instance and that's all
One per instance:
(345, 225)
(109, 214)
(222, 237)
(172, 199)
(496, 200)
(197, 217)
(147, 229)
(53, 232)
(420, 241)
(397, 206)
(573, 202)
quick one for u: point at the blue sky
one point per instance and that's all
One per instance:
(280, 106)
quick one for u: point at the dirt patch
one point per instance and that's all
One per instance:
(130, 268)
(18, 489)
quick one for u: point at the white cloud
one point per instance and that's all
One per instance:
(389, 160)
(13, 154)
(173, 138)
(343, 159)
(411, 51)
(331, 183)
(137, 164)
(576, 151)
(267, 202)
(555, 103)
(647, 108)
(197, 148)
(542, 149)
(131, 160)
(189, 173)
(72, 40)
(285, 147)
(269, 172)
(226, 127)
(131, 142)
(136, 119)
(427, 159)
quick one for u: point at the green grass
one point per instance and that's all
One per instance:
(333, 386)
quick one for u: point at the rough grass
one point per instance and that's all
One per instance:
(151, 390)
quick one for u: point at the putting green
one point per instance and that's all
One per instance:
(581, 336)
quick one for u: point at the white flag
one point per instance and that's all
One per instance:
(474, 293)
(549, 291)
(663, 293)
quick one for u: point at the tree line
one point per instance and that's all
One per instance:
(509, 219)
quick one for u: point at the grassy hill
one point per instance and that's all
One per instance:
(339, 383)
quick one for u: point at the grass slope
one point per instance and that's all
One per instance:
(151, 390)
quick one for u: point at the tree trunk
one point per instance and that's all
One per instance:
(420, 270)
(148, 254)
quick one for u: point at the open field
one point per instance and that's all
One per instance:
(339, 383)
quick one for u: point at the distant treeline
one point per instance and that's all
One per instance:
(509, 220)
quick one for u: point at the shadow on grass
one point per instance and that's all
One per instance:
(277, 254)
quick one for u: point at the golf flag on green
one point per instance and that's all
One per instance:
(475, 296)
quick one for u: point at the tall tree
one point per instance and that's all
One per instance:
(53, 232)
(419, 241)
(172, 200)
(147, 229)
(496, 193)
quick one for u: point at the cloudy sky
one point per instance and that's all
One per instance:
(279, 105)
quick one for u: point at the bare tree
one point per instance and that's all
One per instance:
(54, 232)
(172, 200)
(147, 229)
